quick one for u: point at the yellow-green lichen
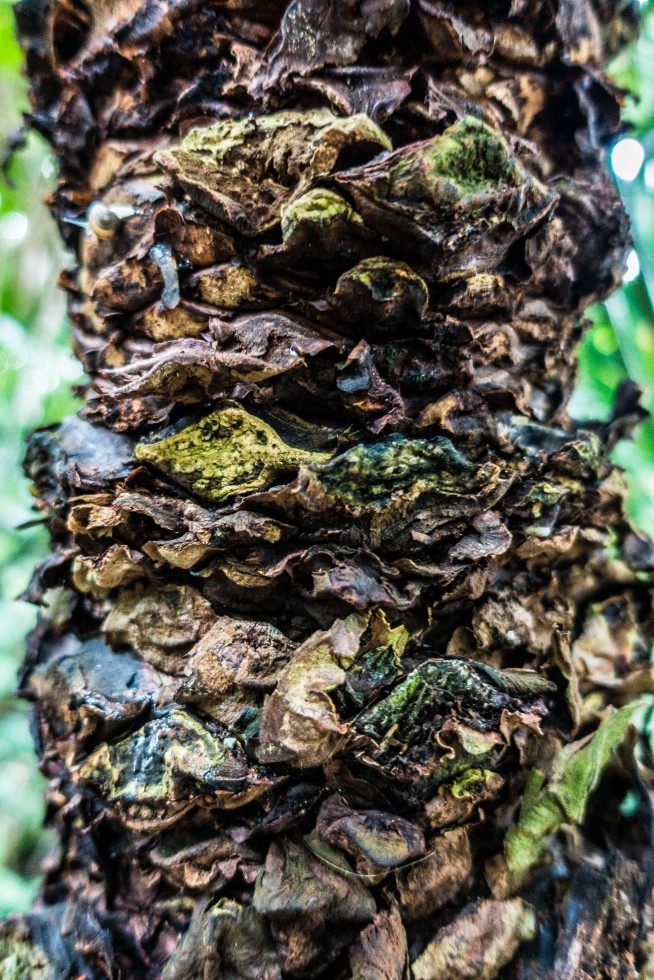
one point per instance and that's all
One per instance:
(471, 783)
(245, 170)
(218, 140)
(434, 683)
(383, 473)
(448, 192)
(474, 156)
(318, 207)
(468, 159)
(226, 453)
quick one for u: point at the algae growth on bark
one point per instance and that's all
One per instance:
(345, 632)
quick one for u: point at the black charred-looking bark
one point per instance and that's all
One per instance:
(341, 675)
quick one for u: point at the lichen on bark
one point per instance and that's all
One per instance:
(343, 673)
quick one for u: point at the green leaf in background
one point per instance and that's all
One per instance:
(620, 344)
(36, 374)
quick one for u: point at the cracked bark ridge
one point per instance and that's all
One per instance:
(346, 628)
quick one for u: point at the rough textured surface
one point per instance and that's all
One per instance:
(345, 621)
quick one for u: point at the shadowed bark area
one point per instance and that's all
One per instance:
(346, 628)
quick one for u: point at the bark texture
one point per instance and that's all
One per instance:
(346, 624)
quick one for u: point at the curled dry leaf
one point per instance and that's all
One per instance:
(380, 953)
(478, 943)
(174, 762)
(228, 938)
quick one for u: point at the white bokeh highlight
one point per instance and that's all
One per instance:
(627, 158)
(632, 267)
(13, 228)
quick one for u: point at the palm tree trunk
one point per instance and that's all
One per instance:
(345, 626)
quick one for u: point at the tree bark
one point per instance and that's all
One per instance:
(346, 627)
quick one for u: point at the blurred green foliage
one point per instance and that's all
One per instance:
(37, 371)
(620, 343)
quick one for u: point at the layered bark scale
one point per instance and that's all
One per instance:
(340, 675)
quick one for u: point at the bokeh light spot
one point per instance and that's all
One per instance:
(627, 158)
(632, 267)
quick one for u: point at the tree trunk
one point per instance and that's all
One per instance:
(345, 622)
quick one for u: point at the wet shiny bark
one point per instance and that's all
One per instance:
(346, 628)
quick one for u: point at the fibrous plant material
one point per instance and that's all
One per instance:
(346, 632)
